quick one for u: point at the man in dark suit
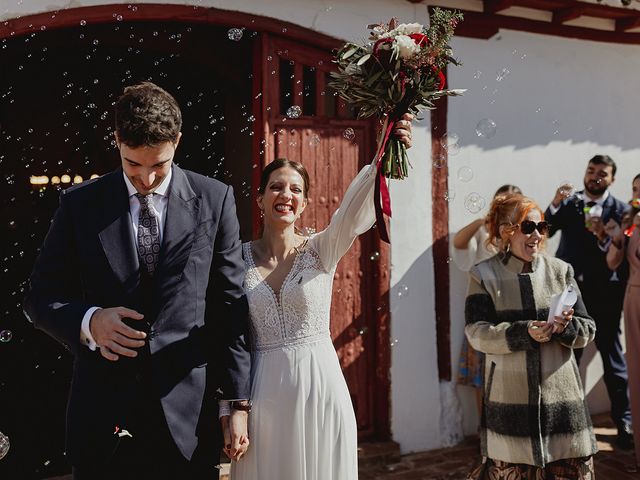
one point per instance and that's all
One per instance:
(584, 244)
(140, 277)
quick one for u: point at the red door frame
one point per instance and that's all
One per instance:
(115, 13)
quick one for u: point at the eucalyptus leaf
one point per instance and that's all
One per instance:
(364, 58)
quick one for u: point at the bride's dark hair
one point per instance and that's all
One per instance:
(279, 163)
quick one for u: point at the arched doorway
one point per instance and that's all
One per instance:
(61, 73)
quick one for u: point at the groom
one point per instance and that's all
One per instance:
(140, 276)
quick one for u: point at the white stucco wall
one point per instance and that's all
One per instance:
(415, 397)
(562, 102)
(577, 88)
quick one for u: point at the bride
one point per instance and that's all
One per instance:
(302, 424)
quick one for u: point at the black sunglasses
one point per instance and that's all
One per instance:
(528, 226)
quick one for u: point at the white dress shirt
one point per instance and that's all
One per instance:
(158, 204)
(582, 196)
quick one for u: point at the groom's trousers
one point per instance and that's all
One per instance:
(150, 453)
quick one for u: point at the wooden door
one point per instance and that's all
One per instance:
(333, 146)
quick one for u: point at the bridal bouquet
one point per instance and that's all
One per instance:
(398, 70)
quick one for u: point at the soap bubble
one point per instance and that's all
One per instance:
(474, 202)
(502, 74)
(451, 143)
(235, 34)
(403, 290)
(4, 445)
(6, 336)
(439, 161)
(566, 189)
(349, 134)
(314, 141)
(449, 195)
(486, 128)
(294, 111)
(465, 174)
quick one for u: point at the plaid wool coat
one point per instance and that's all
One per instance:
(534, 407)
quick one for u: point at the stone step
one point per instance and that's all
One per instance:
(372, 454)
(442, 464)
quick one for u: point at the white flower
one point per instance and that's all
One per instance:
(408, 28)
(407, 48)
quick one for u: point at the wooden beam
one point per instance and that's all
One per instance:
(440, 232)
(495, 6)
(563, 15)
(624, 24)
(483, 25)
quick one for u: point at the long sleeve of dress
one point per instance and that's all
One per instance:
(355, 216)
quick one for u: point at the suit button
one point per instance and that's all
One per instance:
(138, 377)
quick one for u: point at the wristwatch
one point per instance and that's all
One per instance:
(244, 405)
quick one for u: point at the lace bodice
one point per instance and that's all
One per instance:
(300, 312)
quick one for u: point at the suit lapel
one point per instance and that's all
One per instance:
(181, 219)
(117, 236)
(608, 208)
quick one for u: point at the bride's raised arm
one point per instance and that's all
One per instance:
(355, 216)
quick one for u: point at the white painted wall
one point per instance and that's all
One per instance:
(415, 397)
(577, 88)
(553, 111)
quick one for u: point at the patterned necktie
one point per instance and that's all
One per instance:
(148, 234)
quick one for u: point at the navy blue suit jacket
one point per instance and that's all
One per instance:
(195, 308)
(578, 246)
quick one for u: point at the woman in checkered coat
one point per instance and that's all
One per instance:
(535, 422)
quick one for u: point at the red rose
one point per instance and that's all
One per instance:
(419, 38)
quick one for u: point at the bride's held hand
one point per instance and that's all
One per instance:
(403, 129)
(236, 440)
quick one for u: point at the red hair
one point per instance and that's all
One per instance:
(507, 211)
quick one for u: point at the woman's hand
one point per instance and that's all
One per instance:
(234, 431)
(560, 323)
(615, 232)
(540, 331)
(403, 129)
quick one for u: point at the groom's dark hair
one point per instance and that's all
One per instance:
(147, 115)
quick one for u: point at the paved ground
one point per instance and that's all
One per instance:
(382, 462)
(455, 462)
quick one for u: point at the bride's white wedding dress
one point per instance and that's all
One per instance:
(302, 426)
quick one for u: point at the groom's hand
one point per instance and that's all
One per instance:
(114, 337)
